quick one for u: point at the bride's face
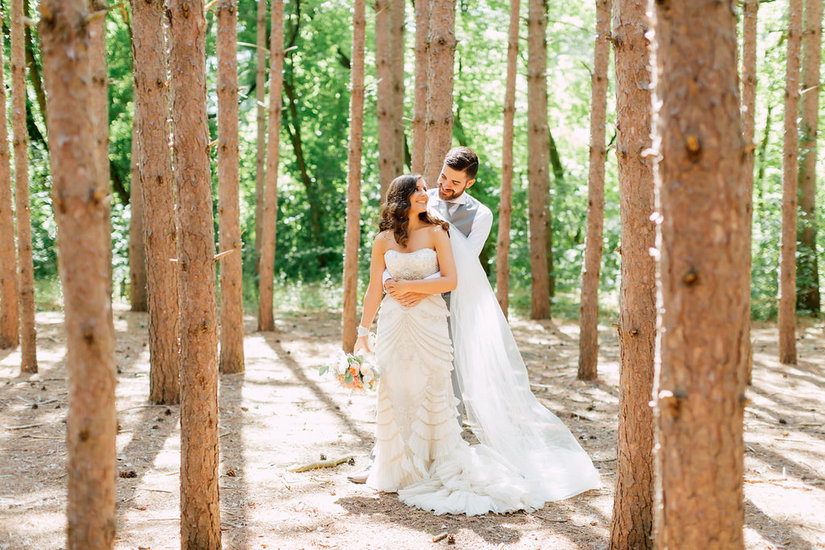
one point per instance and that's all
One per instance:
(418, 198)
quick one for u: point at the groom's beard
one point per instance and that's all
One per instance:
(451, 196)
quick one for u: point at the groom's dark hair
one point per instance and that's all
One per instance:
(463, 159)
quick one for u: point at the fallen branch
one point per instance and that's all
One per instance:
(25, 426)
(323, 464)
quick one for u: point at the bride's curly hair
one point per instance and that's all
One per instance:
(395, 210)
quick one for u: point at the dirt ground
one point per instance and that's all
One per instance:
(281, 414)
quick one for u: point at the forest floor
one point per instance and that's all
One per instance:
(281, 414)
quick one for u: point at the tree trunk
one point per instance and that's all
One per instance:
(505, 208)
(79, 201)
(266, 321)
(702, 275)
(422, 63)
(232, 357)
(790, 172)
(9, 312)
(28, 333)
(260, 117)
(353, 230)
(397, 28)
(589, 309)
(157, 186)
(537, 157)
(807, 276)
(137, 251)
(34, 71)
(200, 509)
(632, 521)
(385, 95)
(441, 39)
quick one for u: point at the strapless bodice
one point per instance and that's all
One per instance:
(414, 265)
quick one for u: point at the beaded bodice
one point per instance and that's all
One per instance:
(414, 265)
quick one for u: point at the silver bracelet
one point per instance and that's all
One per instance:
(363, 331)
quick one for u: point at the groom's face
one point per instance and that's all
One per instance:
(452, 183)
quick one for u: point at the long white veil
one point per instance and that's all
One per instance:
(503, 412)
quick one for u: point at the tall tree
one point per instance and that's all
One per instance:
(9, 312)
(538, 157)
(353, 229)
(25, 265)
(422, 55)
(807, 272)
(702, 250)
(505, 208)
(750, 11)
(200, 509)
(397, 29)
(632, 521)
(441, 39)
(384, 103)
(266, 321)
(83, 243)
(138, 297)
(589, 309)
(260, 118)
(232, 357)
(157, 187)
(790, 172)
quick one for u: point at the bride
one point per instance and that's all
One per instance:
(526, 455)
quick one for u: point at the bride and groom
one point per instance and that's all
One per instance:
(428, 245)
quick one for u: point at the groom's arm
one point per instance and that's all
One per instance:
(482, 224)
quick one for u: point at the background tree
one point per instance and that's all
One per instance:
(385, 97)
(422, 59)
(441, 39)
(137, 251)
(397, 30)
(703, 274)
(79, 206)
(260, 118)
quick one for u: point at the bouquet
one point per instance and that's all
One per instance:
(355, 371)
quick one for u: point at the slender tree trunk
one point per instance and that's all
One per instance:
(538, 161)
(260, 117)
(80, 210)
(632, 521)
(442, 43)
(384, 104)
(505, 208)
(422, 55)
(9, 312)
(28, 333)
(702, 251)
(157, 186)
(200, 509)
(232, 357)
(807, 276)
(137, 251)
(397, 28)
(34, 71)
(790, 171)
(266, 321)
(589, 310)
(353, 231)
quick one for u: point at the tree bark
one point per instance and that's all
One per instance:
(80, 211)
(34, 70)
(137, 251)
(232, 356)
(537, 157)
(200, 509)
(589, 309)
(790, 172)
(260, 118)
(28, 332)
(632, 521)
(389, 112)
(266, 321)
(702, 250)
(441, 38)
(9, 312)
(505, 208)
(157, 187)
(422, 55)
(397, 28)
(353, 229)
(807, 271)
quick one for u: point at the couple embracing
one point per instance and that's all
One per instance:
(438, 353)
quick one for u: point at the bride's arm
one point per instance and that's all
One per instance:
(447, 281)
(372, 298)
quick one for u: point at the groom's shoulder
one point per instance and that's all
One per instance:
(478, 204)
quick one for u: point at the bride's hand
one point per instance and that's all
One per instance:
(361, 343)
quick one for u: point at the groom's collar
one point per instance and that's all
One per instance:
(460, 200)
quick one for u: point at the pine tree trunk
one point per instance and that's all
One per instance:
(589, 309)
(538, 162)
(397, 28)
(422, 58)
(232, 357)
(9, 312)
(200, 509)
(260, 118)
(157, 186)
(790, 172)
(632, 521)
(137, 251)
(266, 321)
(807, 276)
(442, 43)
(505, 208)
(703, 275)
(83, 245)
(384, 95)
(28, 333)
(353, 230)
